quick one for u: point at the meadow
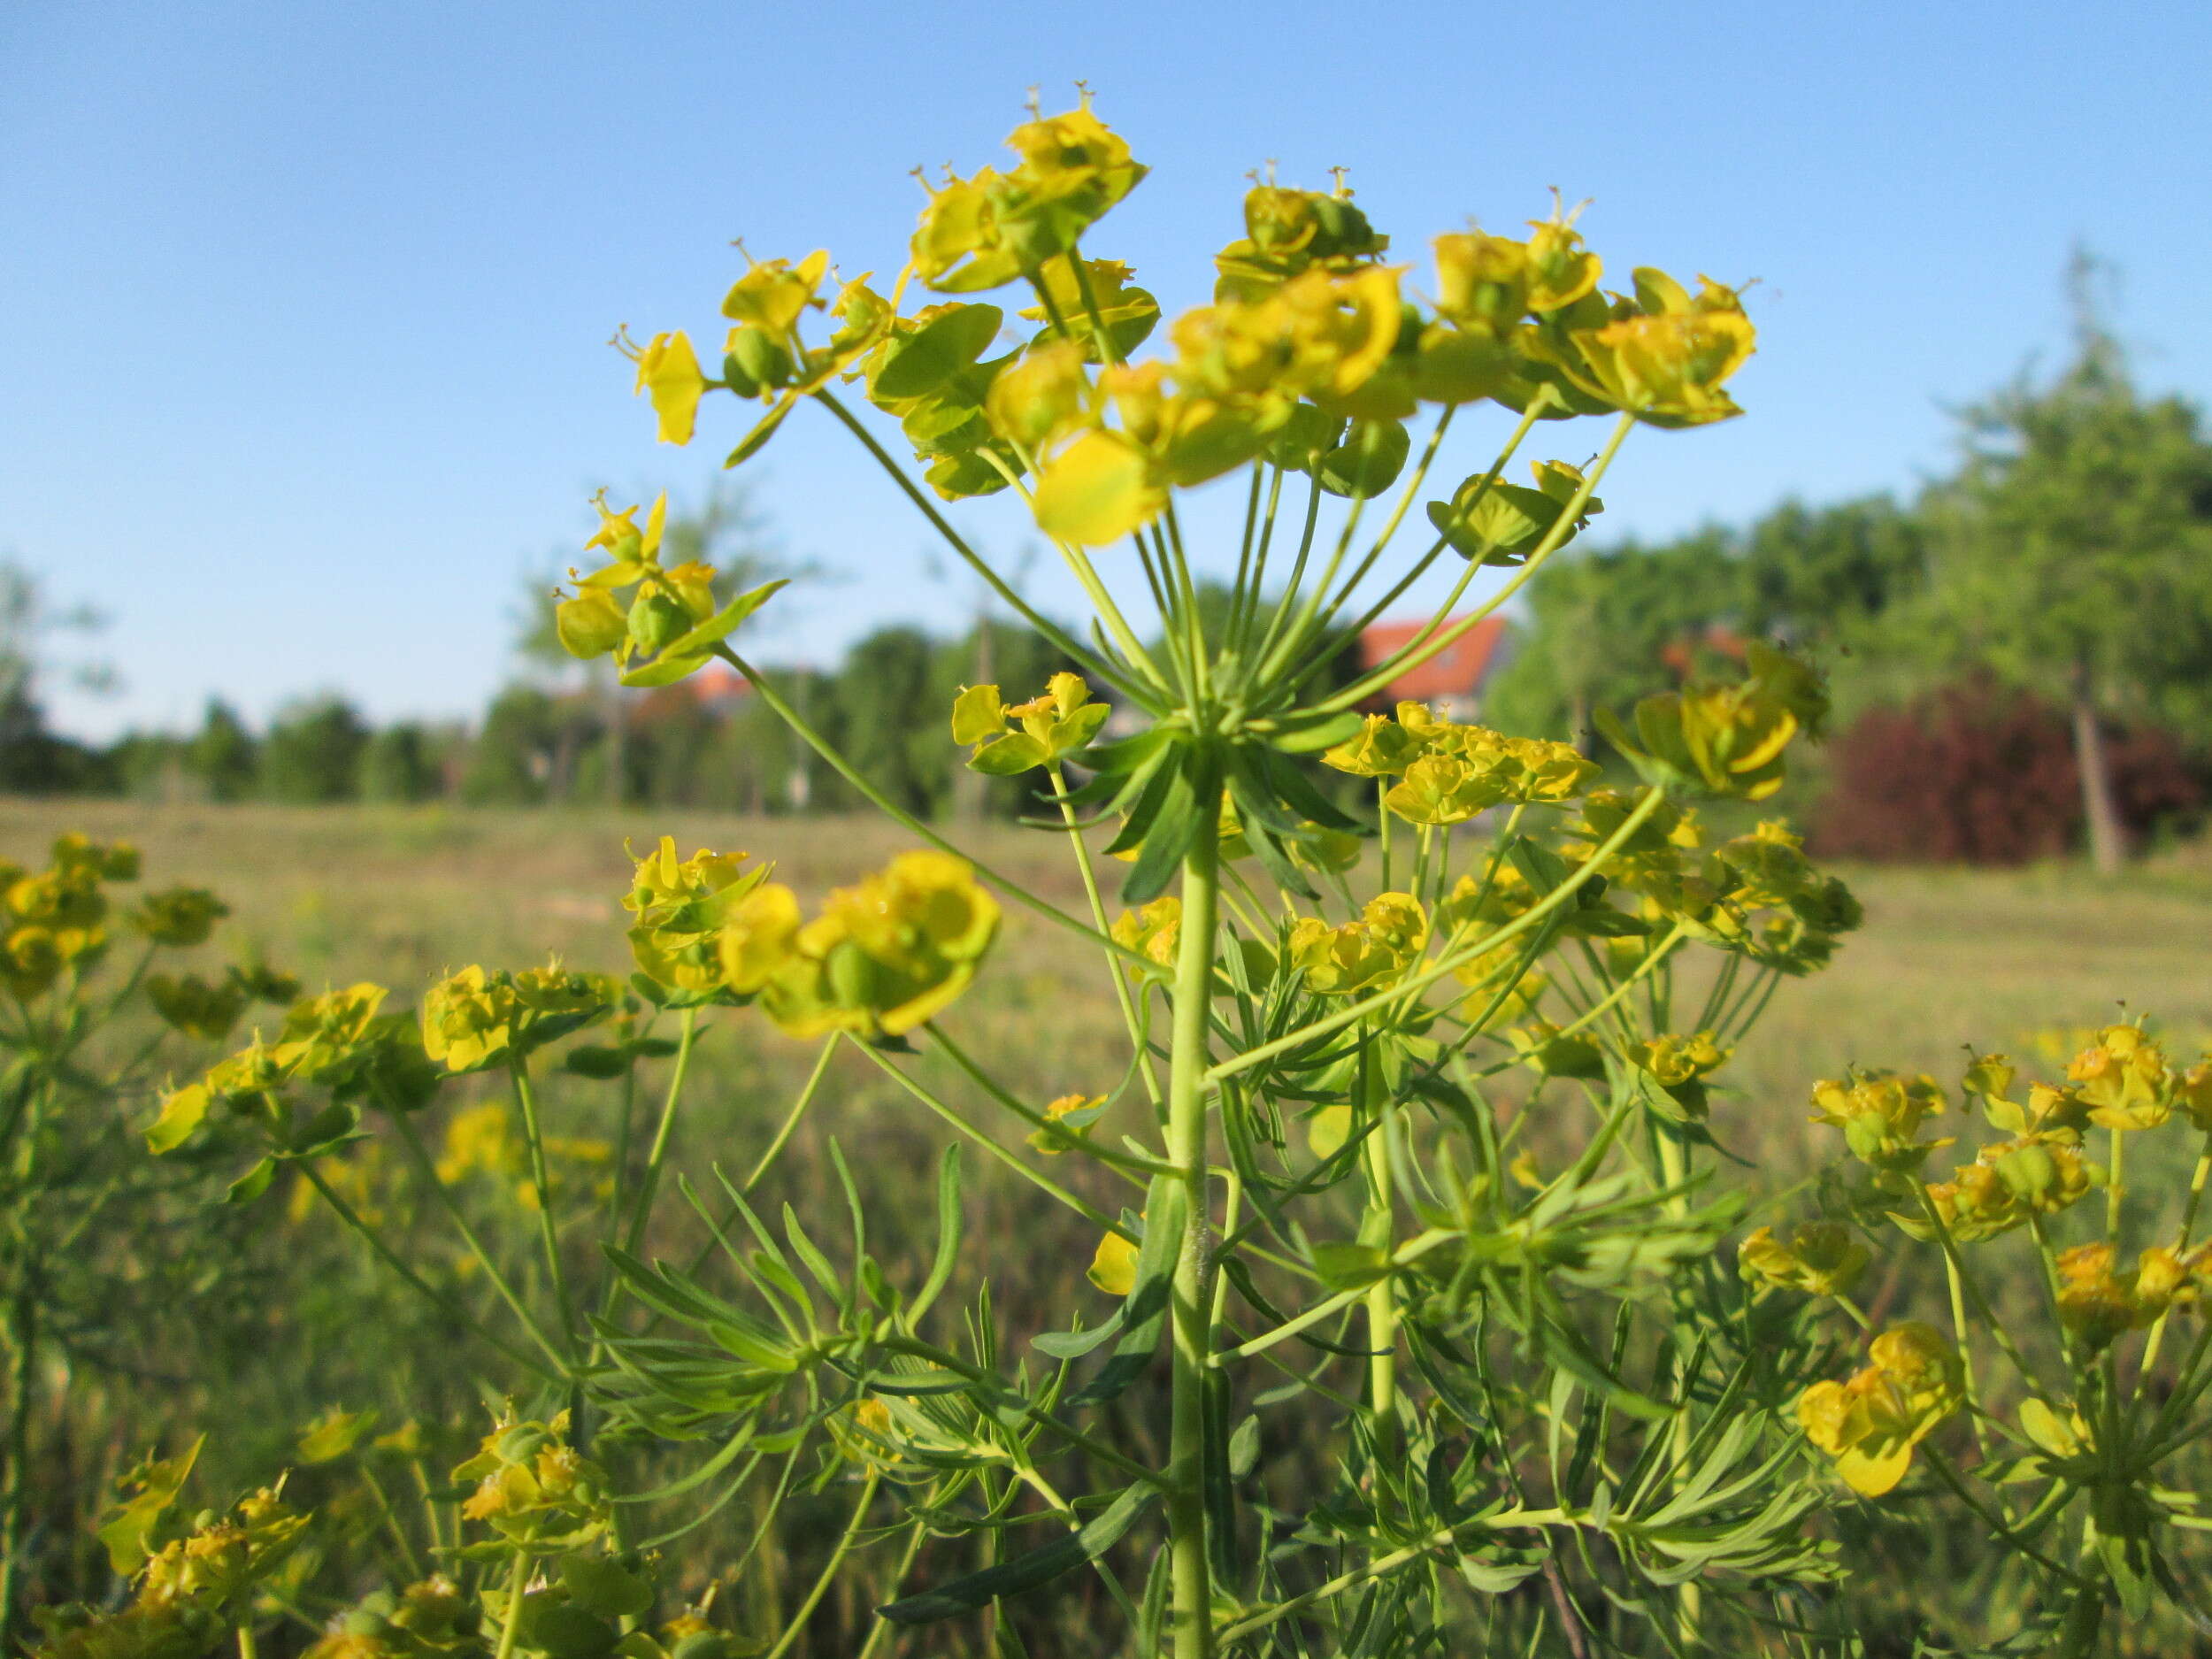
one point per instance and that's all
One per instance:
(1950, 958)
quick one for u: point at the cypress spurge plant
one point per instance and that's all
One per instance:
(1361, 1014)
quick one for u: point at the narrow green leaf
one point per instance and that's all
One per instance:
(1027, 1570)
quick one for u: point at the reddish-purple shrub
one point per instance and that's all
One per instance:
(1978, 774)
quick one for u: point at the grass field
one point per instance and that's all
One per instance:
(1948, 959)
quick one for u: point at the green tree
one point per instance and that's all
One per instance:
(223, 754)
(401, 763)
(34, 760)
(2069, 554)
(890, 706)
(312, 755)
(511, 757)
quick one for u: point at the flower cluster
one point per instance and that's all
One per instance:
(1364, 954)
(680, 906)
(1052, 726)
(882, 956)
(1870, 1423)
(54, 919)
(659, 622)
(1726, 737)
(1448, 772)
(341, 1042)
(1821, 1258)
(1310, 352)
(533, 1488)
(474, 1019)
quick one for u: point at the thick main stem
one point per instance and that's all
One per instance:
(1377, 1230)
(1191, 1570)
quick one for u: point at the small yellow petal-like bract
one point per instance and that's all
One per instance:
(1100, 489)
(669, 369)
(1113, 1266)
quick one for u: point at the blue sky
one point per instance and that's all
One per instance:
(307, 303)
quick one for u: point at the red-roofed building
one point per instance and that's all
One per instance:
(1451, 681)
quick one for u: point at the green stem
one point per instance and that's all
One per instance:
(15, 1503)
(791, 1632)
(1534, 915)
(791, 1120)
(511, 1623)
(1084, 1207)
(898, 815)
(1377, 1230)
(411, 1139)
(1190, 1565)
(657, 1154)
(1064, 641)
(410, 1277)
(548, 1230)
(1432, 642)
(1126, 1002)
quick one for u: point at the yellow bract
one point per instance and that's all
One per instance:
(2098, 1302)
(1731, 737)
(1880, 1116)
(476, 1019)
(669, 370)
(1114, 1265)
(2125, 1079)
(1822, 1258)
(1870, 1423)
(984, 231)
(1054, 726)
(680, 906)
(1364, 954)
(883, 956)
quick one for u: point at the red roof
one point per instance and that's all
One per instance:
(716, 684)
(1457, 671)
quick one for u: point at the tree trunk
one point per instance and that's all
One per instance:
(2108, 836)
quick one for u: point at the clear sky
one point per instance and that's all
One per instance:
(306, 304)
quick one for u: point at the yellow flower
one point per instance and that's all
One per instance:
(1152, 931)
(1870, 1423)
(1383, 748)
(669, 370)
(885, 955)
(1443, 789)
(1054, 726)
(773, 295)
(1360, 956)
(1114, 1265)
(474, 1019)
(1069, 1115)
(681, 906)
(2123, 1078)
(982, 232)
(1822, 1258)
(1880, 1115)
(1731, 737)
(1678, 1066)
(1665, 362)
